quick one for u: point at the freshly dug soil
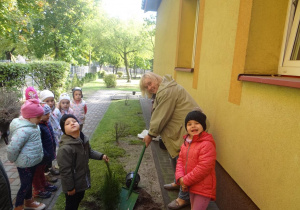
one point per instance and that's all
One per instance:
(145, 201)
(150, 196)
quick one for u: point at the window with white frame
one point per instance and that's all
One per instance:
(290, 52)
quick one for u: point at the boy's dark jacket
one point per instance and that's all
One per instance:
(73, 160)
(48, 142)
(5, 193)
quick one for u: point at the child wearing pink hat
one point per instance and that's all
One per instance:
(26, 151)
(30, 93)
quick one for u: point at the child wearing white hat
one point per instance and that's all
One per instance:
(48, 97)
(64, 104)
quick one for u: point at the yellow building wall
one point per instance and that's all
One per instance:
(264, 43)
(258, 139)
(166, 37)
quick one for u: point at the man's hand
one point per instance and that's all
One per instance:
(147, 139)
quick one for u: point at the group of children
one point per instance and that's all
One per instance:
(36, 135)
(42, 127)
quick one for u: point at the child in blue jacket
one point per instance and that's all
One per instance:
(26, 151)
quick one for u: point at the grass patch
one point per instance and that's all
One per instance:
(136, 142)
(103, 141)
(122, 84)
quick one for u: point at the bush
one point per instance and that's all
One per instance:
(110, 80)
(101, 74)
(12, 75)
(9, 109)
(90, 77)
(120, 74)
(110, 190)
(75, 82)
(50, 75)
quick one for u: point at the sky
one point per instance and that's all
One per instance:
(125, 9)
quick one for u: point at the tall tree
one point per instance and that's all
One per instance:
(124, 39)
(57, 32)
(15, 25)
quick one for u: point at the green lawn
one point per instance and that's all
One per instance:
(122, 84)
(104, 142)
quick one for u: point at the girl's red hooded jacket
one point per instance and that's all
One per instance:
(196, 164)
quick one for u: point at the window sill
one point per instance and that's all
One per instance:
(285, 81)
(184, 69)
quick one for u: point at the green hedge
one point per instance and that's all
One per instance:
(12, 75)
(51, 75)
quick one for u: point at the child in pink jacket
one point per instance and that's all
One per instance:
(195, 169)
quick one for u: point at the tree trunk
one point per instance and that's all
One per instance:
(90, 55)
(8, 54)
(56, 49)
(126, 67)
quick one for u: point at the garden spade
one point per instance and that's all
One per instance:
(127, 196)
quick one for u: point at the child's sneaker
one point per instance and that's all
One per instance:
(54, 171)
(42, 194)
(32, 204)
(50, 188)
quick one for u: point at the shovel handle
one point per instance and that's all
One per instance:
(136, 170)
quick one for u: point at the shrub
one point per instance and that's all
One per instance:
(110, 190)
(101, 74)
(12, 75)
(75, 81)
(110, 80)
(90, 77)
(50, 75)
(120, 74)
(9, 109)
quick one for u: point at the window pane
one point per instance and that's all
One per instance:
(296, 49)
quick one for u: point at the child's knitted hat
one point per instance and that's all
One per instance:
(64, 96)
(46, 108)
(32, 108)
(46, 94)
(31, 93)
(197, 116)
(63, 119)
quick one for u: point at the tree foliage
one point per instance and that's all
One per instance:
(58, 30)
(15, 25)
(75, 31)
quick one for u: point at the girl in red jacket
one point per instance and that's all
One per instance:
(195, 169)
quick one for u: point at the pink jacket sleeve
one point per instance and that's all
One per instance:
(179, 167)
